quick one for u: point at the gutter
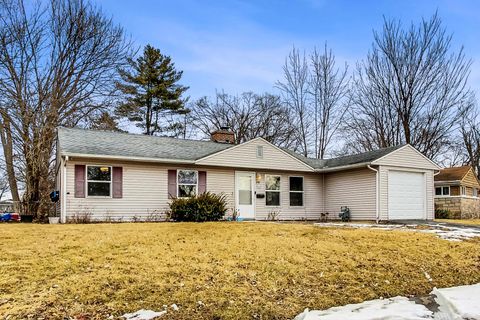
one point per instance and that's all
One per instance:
(340, 168)
(140, 159)
(377, 212)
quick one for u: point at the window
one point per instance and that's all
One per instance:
(187, 181)
(296, 191)
(272, 190)
(475, 192)
(99, 181)
(463, 191)
(259, 151)
(442, 191)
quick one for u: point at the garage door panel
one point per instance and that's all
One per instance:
(406, 195)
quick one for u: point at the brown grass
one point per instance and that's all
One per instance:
(238, 270)
(460, 221)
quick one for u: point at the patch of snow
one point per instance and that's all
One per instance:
(450, 233)
(144, 315)
(459, 302)
(397, 308)
(175, 307)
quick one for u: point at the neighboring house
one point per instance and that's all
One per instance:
(119, 176)
(456, 190)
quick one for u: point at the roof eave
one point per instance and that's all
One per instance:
(127, 158)
(345, 167)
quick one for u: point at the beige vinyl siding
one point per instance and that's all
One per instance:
(312, 200)
(245, 156)
(408, 157)
(354, 189)
(470, 180)
(144, 191)
(383, 190)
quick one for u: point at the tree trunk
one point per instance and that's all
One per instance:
(7, 144)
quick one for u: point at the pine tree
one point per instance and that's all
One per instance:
(152, 96)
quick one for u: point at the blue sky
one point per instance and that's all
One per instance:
(240, 46)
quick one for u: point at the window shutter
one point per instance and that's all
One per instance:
(202, 182)
(117, 182)
(79, 181)
(172, 184)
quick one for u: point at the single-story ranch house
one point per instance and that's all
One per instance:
(456, 190)
(120, 176)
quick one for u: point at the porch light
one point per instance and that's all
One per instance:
(258, 178)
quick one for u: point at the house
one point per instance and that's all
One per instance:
(456, 190)
(121, 177)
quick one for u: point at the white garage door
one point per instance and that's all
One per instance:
(406, 195)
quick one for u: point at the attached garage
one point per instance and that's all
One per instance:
(406, 195)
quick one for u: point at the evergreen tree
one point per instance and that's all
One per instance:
(152, 96)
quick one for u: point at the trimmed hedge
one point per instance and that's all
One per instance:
(204, 207)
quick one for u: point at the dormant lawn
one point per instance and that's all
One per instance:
(460, 221)
(217, 270)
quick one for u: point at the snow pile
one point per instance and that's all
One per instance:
(451, 233)
(459, 302)
(397, 308)
(144, 315)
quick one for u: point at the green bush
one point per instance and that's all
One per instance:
(443, 214)
(204, 207)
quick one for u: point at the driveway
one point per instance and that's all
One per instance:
(447, 231)
(436, 224)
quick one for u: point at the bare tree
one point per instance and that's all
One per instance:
(470, 136)
(328, 90)
(409, 89)
(58, 60)
(249, 116)
(295, 92)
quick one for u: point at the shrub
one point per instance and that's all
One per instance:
(204, 207)
(443, 214)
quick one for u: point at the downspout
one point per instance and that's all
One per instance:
(63, 197)
(377, 212)
(323, 192)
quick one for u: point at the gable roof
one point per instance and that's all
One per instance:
(453, 173)
(81, 142)
(118, 145)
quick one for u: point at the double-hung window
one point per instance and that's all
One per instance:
(442, 191)
(475, 192)
(296, 191)
(272, 190)
(99, 181)
(187, 182)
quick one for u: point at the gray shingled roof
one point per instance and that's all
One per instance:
(364, 157)
(94, 142)
(105, 143)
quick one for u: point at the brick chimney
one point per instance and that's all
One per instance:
(224, 135)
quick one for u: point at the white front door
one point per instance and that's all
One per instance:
(245, 194)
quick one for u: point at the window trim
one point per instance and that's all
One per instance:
(303, 192)
(279, 191)
(87, 181)
(463, 190)
(443, 195)
(187, 184)
(475, 192)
